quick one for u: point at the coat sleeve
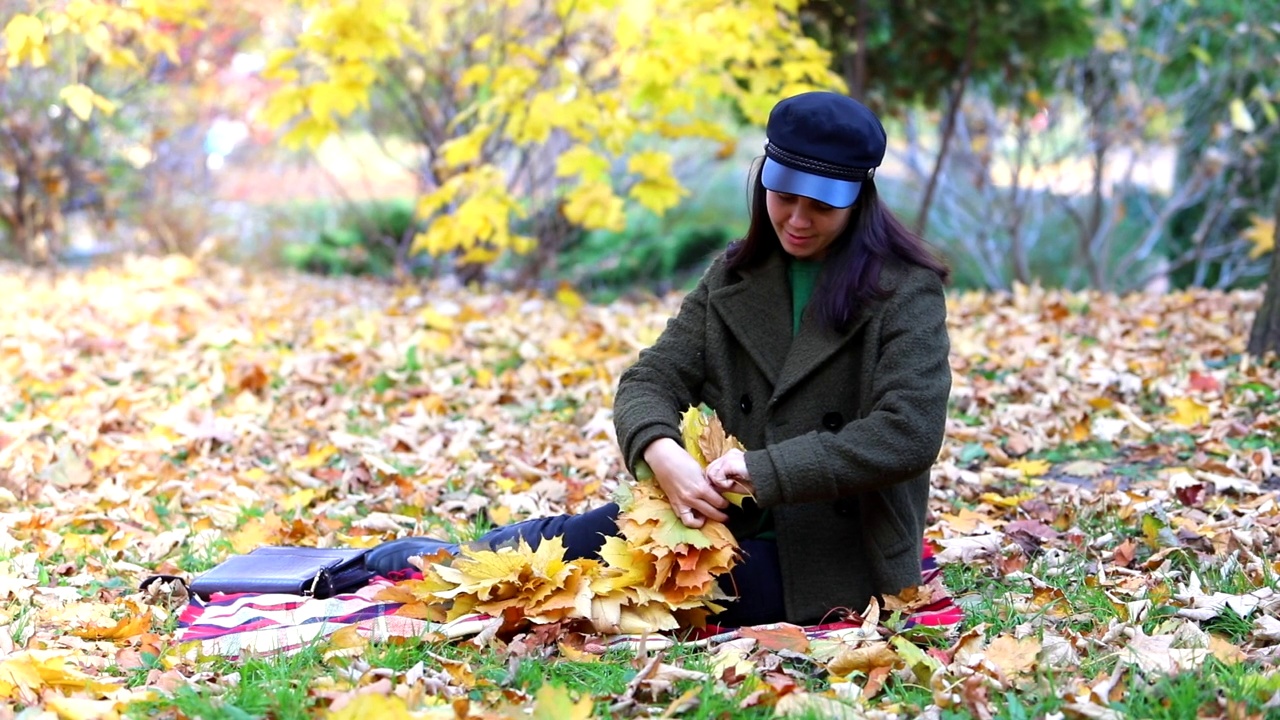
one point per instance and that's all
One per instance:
(901, 436)
(664, 381)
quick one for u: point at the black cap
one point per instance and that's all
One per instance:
(822, 145)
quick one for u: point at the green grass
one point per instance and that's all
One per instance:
(278, 688)
(996, 604)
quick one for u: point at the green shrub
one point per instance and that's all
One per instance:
(364, 241)
(658, 254)
(1050, 232)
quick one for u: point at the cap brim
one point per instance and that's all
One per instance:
(836, 193)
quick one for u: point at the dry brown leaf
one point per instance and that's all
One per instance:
(1014, 656)
(863, 659)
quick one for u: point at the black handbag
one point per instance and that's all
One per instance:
(307, 571)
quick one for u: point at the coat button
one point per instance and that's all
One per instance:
(833, 421)
(844, 507)
(745, 404)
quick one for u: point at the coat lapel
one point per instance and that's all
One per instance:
(813, 346)
(757, 310)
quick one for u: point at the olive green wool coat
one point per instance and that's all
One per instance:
(841, 428)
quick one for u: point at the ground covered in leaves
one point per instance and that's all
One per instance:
(1105, 505)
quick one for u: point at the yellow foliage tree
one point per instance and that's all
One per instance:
(525, 105)
(62, 66)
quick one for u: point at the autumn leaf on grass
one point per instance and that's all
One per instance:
(101, 621)
(553, 702)
(133, 624)
(863, 659)
(1013, 656)
(24, 673)
(923, 665)
(1031, 468)
(1189, 413)
(910, 599)
(372, 705)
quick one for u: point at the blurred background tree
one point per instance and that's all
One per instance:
(1265, 337)
(1113, 144)
(903, 54)
(81, 114)
(534, 120)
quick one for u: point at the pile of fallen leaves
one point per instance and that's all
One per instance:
(658, 575)
(1105, 503)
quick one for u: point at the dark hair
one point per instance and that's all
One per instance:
(851, 271)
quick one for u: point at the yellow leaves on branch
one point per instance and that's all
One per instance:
(479, 223)
(595, 206)
(491, 86)
(113, 33)
(82, 100)
(24, 37)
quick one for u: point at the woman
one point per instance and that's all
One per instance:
(820, 340)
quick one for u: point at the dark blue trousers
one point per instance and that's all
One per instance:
(756, 581)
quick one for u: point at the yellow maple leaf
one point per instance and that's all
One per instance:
(649, 617)
(73, 708)
(568, 297)
(133, 624)
(658, 195)
(1240, 118)
(1189, 413)
(26, 671)
(581, 160)
(714, 442)
(372, 705)
(630, 564)
(257, 532)
(25, 36)
(82, 100)
(465, 149)
(315, 458)
(594, 206)
(298, 500)
(1031, 468)
(692, 424)
(1262, 235)
(1006, 501)
(652, 518)
(540, 583)
(705, 440)
(553, 702)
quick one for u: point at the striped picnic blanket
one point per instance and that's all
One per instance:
(235, 625)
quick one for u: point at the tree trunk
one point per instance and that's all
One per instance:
(948, 127)
(858, 80)
(1266, 326)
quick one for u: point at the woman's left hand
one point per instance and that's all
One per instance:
(728, 473)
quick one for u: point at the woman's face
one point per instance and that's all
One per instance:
(806, 227)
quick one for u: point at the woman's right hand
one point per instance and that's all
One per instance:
(692, 496)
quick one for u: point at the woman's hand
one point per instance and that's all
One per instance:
(692, 497)
(728, 473)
